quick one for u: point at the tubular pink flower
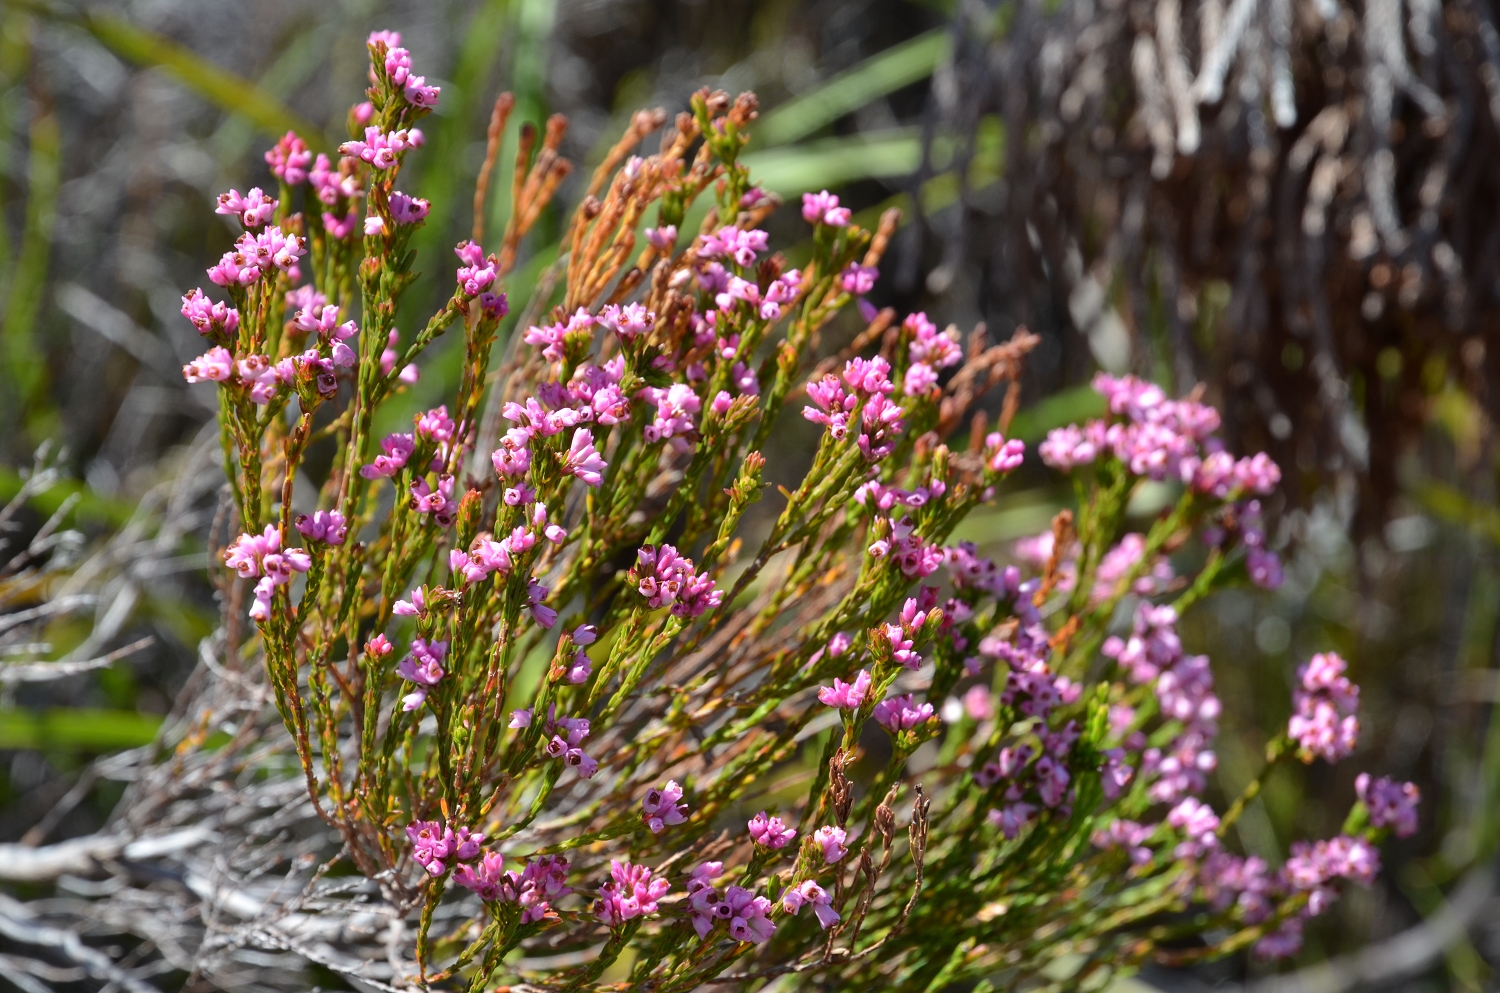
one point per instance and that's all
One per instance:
(846, 696)
(583, 460)
(630, 892)
(661, 808)
(902, 713)
(770, 832)
(831, 839)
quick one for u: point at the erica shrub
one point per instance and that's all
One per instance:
(542, 665)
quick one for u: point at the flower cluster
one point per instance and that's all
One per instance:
(629, 892)
(1323, 721)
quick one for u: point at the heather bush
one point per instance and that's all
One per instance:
(546, 671)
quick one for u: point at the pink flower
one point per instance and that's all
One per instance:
(902, 713)
(630, 892)
(341, 227)
(629, 322)
(846, 696)
(1199, 826)
(809, 892)
(252, 555)
(748, 915)
(823, 208)
(1389, 803)
(662, 238)
(1323, 721)
(770, 832)
(253, 209)
(831, 839)
(583, 460)
(477, 273)
(858, 279)
(437, 501)
(1284, 942)
(1001, 455)
(289, 159)
(484, 878)
(920, 378)
(419, 94)
(327, 526)
(534, 888)
(742, 246)
(1011, 818)
(212, 319)
(676, 407)
(381, 150)
(939, 349)
(431, 843)
(663, 807)
(215, 365)
(544, 615)
(422, 667)
(667, 579)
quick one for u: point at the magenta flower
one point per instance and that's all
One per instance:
(583, 460)
(1012, 818)
(902, 713)
(823, 208)
(666, 579)
(381, 150)
(253, 209)
(289, 159)
(846, 696)
(770, 832)
(397, 449)
(1001, 455)
(742, 246)
(662, 238)
(858, 279)
(212, 319)
(484, 878)
(810, 893)
(215, 365)
(1323, 707)
(748, 916)
(1389, 803)
(422, 667)
(939, 349)
(477, 273)
(431, 843)
(326, 526)
(831, 839)
(629, 322)
(663, 807)
(676, 407)
(542, 881)
(1199, 826)
(630, 892)
(252, 555)
(435, 500)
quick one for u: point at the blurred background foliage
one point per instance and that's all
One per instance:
(1048, 174)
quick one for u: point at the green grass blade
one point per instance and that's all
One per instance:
(834, 161)
(22, 363)
(76, 729)
(853, 88)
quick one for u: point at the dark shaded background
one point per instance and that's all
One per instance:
(1053, 189)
